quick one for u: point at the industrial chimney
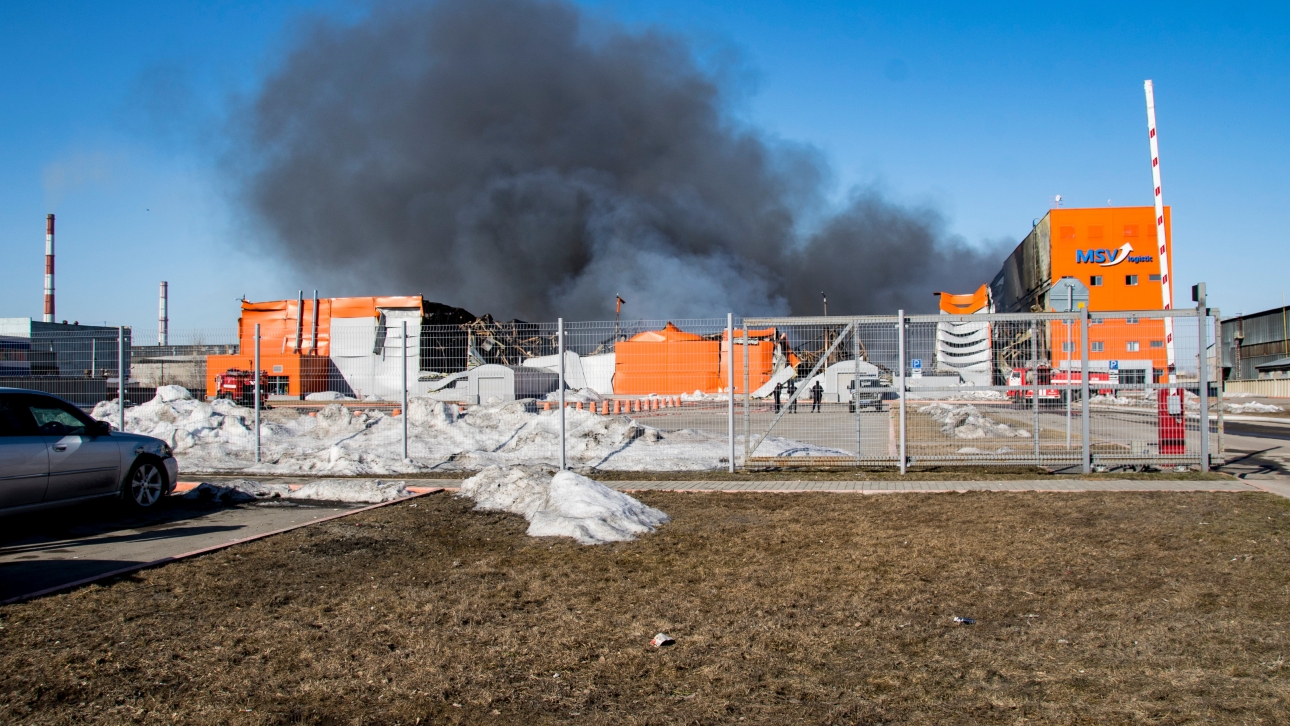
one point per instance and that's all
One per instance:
(49, 268)
(163, 315)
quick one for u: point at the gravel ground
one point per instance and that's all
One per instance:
(786, 608)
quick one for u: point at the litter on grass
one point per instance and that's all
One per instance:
(965, 621)
(563, 505)
(662, 639)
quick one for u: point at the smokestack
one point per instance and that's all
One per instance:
(313, 337)
(163, 315)
(300, 318)
(49, 268)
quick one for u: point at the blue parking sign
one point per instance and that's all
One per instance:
(916, 364)
(1113, 365)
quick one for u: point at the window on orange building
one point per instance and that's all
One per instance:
(1130, 279)
(1131, 346)
(1067, 232)
(1131, 320)
(1095, 280)
(1153, 278)
(1097, 346)
(1157, 344)
(1130, 230)
(1068, 347)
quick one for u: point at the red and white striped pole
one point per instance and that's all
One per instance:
(49, 268)
(1166, 281)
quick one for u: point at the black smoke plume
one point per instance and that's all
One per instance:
(515, 157)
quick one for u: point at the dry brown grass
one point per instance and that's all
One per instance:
(793, 608)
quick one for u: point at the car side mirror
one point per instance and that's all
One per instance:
(101, 428)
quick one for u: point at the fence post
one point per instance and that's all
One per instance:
(255, 374)
(900, 336)
(855, 382)
(559, 332)
(1068, 344)
(730, 385)
(405, 390)
(747, 399)
(1086, 456)
(121, 378)
(1202, 315)
(1034, 361)
(1218, 376)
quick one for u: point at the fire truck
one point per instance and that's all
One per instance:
(1028, 380)
(239, 385)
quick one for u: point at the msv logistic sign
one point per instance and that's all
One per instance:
(1107, 258)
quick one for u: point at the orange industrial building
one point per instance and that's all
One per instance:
(1111, 253)
(671, 361)
(300, 353)
(295, 339)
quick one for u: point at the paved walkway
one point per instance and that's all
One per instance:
(883, 487)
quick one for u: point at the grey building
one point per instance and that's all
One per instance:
(1256, 345)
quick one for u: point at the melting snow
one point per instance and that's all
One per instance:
(966, 422)
(336, 440)
(564, 505)
(328, 490)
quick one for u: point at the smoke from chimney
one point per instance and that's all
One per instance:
(513, 157)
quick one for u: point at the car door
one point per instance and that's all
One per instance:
(81, 464)
(24, 456)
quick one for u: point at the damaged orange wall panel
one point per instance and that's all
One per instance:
(666, 362)
(761, 359)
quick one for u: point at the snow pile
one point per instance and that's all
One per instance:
(1192, 401)
(238, 490)
(981, 396)
(564, 505)
(701, 396)
(1114, 400)
(584, 395)
(966, 422)
(339, 441)
(326, 490)
(328, 396)
(1252, 407)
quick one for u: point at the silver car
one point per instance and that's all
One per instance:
(53, 454)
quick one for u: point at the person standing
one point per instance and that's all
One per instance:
(779, 388)
(817, 395)
(792, 402)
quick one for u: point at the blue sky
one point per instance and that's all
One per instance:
(112, 120)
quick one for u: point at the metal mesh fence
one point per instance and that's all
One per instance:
(389, 394)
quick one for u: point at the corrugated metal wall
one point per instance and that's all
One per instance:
(1264, 341)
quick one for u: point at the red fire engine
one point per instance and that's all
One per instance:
(1026, 380)
(239, 385)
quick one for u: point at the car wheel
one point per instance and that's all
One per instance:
(146, 485)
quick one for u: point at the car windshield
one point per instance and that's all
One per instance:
(55, 418)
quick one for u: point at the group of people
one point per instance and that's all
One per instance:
(816, 391)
